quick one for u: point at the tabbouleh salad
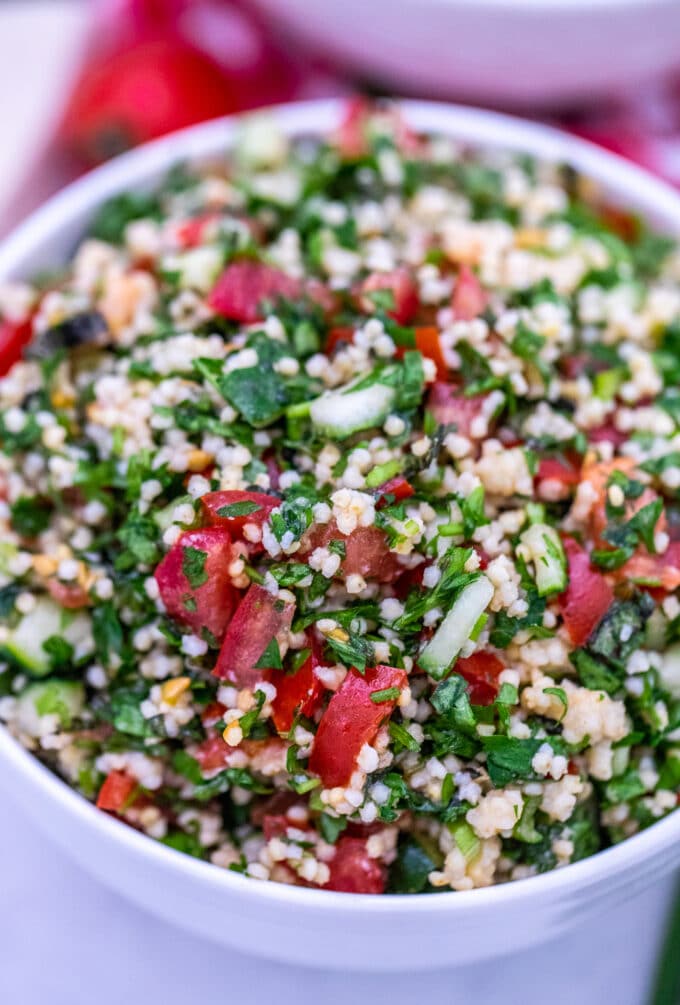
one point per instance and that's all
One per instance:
(340, 513)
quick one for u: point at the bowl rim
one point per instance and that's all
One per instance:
(141, 167)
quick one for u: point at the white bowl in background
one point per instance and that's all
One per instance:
(316, 927)
(506, 52)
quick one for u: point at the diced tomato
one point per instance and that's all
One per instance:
(469, 299)
(607, 433)
(70, 596)
(598, 473)
(427, 342)
(653, 570)
(338, 336)
(573, 366)
(245, 285)
(449, 405)
(273, 469)
(399, 488)
(351, 137)
(561, 470)
(322, 296)
(557, 476)
(481, 671)
(366, 551)
(190, 233)
(353, 870)
(410, 579)
(213, 753)
(212, 713)
(14, 335)
(117, 792)
(259, 619)
(351, 720)
(404, 291)
(215, 503)
(300, 693)
(587, 597)
(277, 804)
(194, 580)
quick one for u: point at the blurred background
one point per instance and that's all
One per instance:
(82, 80)
(85, 79)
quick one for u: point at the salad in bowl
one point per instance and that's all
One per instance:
(340, 523)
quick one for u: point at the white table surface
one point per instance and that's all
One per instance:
(66, 940)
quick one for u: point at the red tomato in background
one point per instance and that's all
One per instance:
(587, 597)
(141, 93)
(259, 618)
(209, 604)
(351, 720)
(481, 671)
(155, 66)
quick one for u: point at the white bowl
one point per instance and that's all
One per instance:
(507, 52)
(288, 923)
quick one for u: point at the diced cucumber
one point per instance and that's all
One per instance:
(25, 642)
(468, 843)
(669, 670)
(339, 414)
(197, 268)
(63, 698)
(164, 517)
(456, 628)
(540, 544)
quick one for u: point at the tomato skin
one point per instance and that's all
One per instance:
(469, 299)
(213, 502)
(299, 693)
(258, 619)
(481, 671)
(404, 290)
(213, 753)
(427, 342)
(351, 136)
(665, 568)
(399, 487)
(343, 334)
(14, 335)
(70, 596)
(139, 93)
(352, 870)
(350, 721)
(190, 234)
(607, 433)
(588, 596)
(214, 600)
(554, 468)
(244, 285)
(366, 551)
(449, 405)
(116, 791)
